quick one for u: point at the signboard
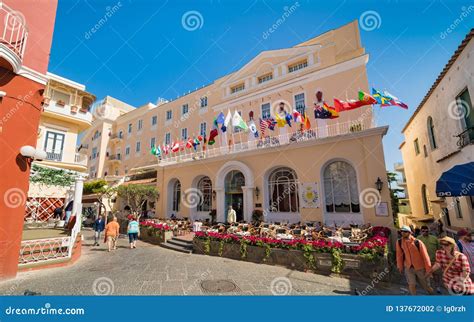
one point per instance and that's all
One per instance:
(381, 209)
(309, 195)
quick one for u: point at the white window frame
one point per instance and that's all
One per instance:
(168, 138)
(202, 126)
(269, 110)
(304, 102)
(183, 107)
(184, 133)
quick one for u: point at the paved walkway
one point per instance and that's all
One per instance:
(153, 270)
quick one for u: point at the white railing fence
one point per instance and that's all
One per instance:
(241, 143)
(13, 30)
(42, 250)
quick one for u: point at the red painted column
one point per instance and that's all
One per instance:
(20, 111)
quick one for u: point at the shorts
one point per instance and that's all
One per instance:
(132, 237)
(412, 275)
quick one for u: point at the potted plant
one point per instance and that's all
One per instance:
(60, 103)
(74, 109)
(46, 101)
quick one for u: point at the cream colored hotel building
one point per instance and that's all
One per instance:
(342, 159)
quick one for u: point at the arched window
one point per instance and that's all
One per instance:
(424, 199)
(176, 196)
(340, 188)
(234, 181)
(283, 191)
(431, 133)
(204, 186)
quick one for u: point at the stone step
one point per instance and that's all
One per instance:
(183, 240)
(180, 243)
(176, 248)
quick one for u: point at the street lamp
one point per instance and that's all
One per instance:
(379, 184)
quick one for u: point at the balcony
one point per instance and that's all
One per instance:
(76, 162)
(241, 144)
(114, 158)
(465, 138)
(402, 182)
(13, 37)
(404, 209)
(398, 166)
(116, 138)
(69, 113)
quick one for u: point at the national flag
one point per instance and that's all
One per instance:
(253, 128)
(367, 98)
(263, 126)
(195, 143)
(200, 138)
(279, 120)
(212, 136)
(288, 118)
(153, 151)
(175, 147)
(220, 118)
(342, 106)
(238, 121)
(228, 118)
(307, 123)
(297, 117)
(158, 151)
(189, 144)
(165, 149)
(394, 100)
(325, 112)
(380, 98)
(271, 123)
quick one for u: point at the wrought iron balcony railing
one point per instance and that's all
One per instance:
(13, 32)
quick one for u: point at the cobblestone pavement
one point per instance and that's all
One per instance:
(152, 270)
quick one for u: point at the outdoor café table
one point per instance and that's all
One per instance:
(284, 236)
(339, 239)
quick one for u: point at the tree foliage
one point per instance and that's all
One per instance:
(94, 186)
(135, 195)
(392, 178)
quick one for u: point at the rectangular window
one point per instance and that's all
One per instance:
(94, 153)
(265, 78)
(138, 146)
(203, 129)
(130, 128)
(127, 150)
(184, 133)
(425, 151)
(53, 145)
(299, 103)
(120, 135)
(167, 138)
(297, 66)
(417, 147)
(266, 111)
(169, 115)
(152, 142)
(204, 101)
(140, 125)
(184, 109)
(237, 88)
(154, 120)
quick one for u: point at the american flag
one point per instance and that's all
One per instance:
(263, 126)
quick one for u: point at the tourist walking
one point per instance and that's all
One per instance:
(99, 226)
(58, 213)
(466, 246)
(132, 231)
(455, 267)
(68, 211)
(112, 231)
(413, 260)
(231, 215)
(432, 245)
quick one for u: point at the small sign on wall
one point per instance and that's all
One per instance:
(381, 209)
(309, 195)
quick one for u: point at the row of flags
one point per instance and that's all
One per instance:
(321, 111)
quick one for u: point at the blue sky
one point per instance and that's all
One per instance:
(142, 52)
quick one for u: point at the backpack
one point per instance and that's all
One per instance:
(417, 244)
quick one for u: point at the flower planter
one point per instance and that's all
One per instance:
(46, 101)
(74, 109)
(214, 248)
(256, 254)
(231, 251)
(280, 257)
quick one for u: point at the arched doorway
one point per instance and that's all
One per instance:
(234, 196)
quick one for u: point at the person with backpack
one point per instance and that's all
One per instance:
(413, 260)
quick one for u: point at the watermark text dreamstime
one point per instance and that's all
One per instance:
(288, 11)
(110, 11)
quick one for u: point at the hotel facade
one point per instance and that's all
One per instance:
(325, 174)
